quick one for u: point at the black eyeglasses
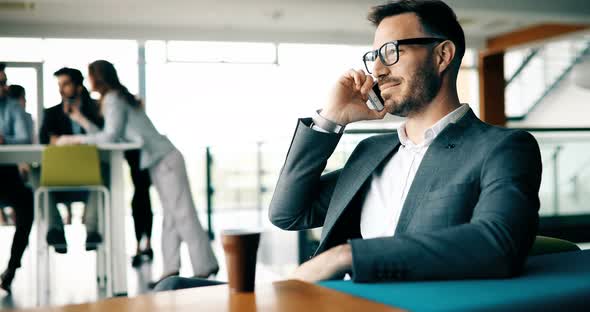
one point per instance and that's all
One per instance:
(389, 52)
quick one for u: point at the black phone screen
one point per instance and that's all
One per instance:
(375, 101)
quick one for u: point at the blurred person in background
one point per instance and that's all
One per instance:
(141, 208)
(59, 120)
(13, 191)
(126, 120)
(78, 114)
(18, 94)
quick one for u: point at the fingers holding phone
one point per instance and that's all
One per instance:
(349, 97)
(371, 94)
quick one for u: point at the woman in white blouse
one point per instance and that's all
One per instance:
(126, 120)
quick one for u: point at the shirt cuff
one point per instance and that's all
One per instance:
(324, 125)
(319, 129)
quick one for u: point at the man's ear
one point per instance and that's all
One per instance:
(444, 55)
(79, 90)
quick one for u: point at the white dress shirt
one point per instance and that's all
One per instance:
(391, 182)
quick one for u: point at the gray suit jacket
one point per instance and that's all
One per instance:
(471, 212)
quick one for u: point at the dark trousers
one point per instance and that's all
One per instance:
(14, 193)
(141, 206)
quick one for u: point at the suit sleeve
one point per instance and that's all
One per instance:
(302, 194)
(493, 245)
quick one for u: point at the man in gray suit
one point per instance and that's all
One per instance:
(445, 197)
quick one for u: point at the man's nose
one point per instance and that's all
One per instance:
(379, 69)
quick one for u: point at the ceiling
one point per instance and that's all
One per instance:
(326, 21)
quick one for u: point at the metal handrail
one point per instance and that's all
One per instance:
(523, 65)
(560, 78)
(578, 59)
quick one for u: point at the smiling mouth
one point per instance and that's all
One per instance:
(388, 85)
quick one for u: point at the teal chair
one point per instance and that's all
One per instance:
(546, 245)
(71, 168)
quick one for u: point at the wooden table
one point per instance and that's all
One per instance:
(113, 154)
(280, 296)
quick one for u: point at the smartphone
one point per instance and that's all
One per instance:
(375, 101)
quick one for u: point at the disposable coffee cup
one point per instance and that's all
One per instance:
(240, 247)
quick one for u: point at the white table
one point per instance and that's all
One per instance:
(113, 154)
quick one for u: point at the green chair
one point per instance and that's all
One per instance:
(546, 245)
(71, 168)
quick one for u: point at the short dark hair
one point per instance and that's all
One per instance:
(2, 66)
(74, 74)
(16, 91)
(436, 17)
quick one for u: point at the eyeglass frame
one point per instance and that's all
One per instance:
(397, 43)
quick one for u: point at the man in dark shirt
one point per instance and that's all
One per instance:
(60, 120)
(77, 113)
(13, 191)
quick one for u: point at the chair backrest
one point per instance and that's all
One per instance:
(547, 245)
(74, 165)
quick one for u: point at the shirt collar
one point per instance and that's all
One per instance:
(431, 133)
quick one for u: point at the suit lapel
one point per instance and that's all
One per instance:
(356, 172)
(443, 150)
(360, 167)
(63, 121)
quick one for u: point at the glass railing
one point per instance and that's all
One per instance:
(243, 176)
(565, 188)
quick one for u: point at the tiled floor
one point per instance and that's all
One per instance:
(73, 278)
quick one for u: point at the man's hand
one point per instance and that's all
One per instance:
(53, 139)
(75, 113)
(25, 170)
(78, 118)
(1, 139)
(69, 104)
(348, 99)
(68, 140)
(334, 263)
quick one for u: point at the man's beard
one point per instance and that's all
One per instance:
(422, 89)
